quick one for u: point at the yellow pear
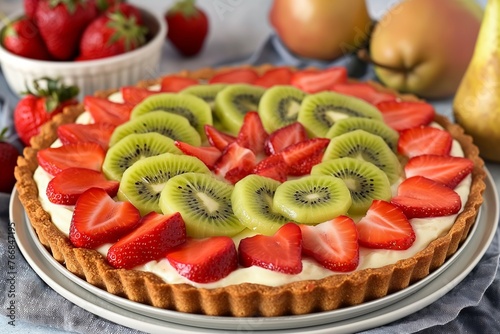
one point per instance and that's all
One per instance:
(477, 103)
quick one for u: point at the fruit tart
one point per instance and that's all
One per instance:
(251, 191)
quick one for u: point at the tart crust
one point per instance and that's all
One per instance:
(243, 300)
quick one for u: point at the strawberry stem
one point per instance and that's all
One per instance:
(186, 7)
(70, 5)
(54, 93)
(126, 28)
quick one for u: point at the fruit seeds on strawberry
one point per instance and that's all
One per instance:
(23, 38)
(302, 156)
(252, 134)
(235, 163)
(286, 136)
(8, 162)
(99, 133)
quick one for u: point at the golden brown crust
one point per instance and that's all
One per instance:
(246, 299)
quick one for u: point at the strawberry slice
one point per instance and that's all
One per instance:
(235, 163)
(363, 91)
(239, 75)
(385, 226)
(334, 243)
(84, 155)
(133, 95)
(273, 167)
(204, 260)
(420, 197)
(424, 140)
(403, 115)
(106, 111)
(280, 252)
(207, 154)
(98, 219)
(151, 240)
(288, 135)
(70, 183)
(98, 133)
(441, 168)
(252, 134)
(301, 157)
(275, 76)
(174, 83)
(218, 138)
(315, 81)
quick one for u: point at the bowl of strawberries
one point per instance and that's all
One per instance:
(93, 44)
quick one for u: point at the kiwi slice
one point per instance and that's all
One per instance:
(312, 199)
(204, 203)
(389, 135)
(366, 146)
(320, 111)
(279, 106)
(143, 182)
(170, 125)
(234, 101)
(252, 201)
(207, 93)
(364, 180)
(133, 148)
(193, 108)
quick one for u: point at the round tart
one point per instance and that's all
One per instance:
(345, 284)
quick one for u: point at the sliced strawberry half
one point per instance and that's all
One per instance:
(420, 197)
(316, 81)
(403, 115)
(204, 260)
(275, 76)
(286, 136)
(98, 219)
(218, 138)
(84, 155)
(280, 252)
(155, 235)
(98, 133)
(106, 111)
(273, 167)
(424, 140)
(442, 168)
(70, 183)
(301, 157)
(235, 163)
(239, 75)
(385, 226)
(252, 134)
(207, 154)
(363, 91)
(174, 83)
(334, 243)
(133, 95)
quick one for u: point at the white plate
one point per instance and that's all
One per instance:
(365, 316)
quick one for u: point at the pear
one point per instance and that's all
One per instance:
(424, 46)
(476, 105)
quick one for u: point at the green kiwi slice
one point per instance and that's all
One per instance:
(389, 135)
(207, 93)
(366, 146)
(320, 111)
(193, 108)
(252, 201)
(364, 180)
(143, 182)
(204, 203)
(133, 148)
(234, 101)
(279, 106)
(170, 125)
(312, 199)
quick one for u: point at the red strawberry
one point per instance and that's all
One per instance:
(106, 111)
(61, 24)
(84, 155)
(99, 133)
(301, 157)
(22, 38)
(275, 76)
(334, 243)
(173, 83)
(133, 95)
(284, 137)
(424, 140)
(39, 106)
(207, 154)
(238, 75)
(273, 167)
(316, 81)
(126, 9)
(187, 27)
(280, 252)
(252, 134)
(385, 226)
(403, 115)
(98, 219)
(442, 168)
(8, 162)
(235, 163)
(420, 197)
(154, 237)
(70, 183)
(103, 5)
(217, 138)
(30, 8)
(363, 91)
(204, 260)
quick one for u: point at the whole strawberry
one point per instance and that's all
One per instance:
(22, 38)
(187, 27)
(37, 107)
(8, 161)
(61, 24)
